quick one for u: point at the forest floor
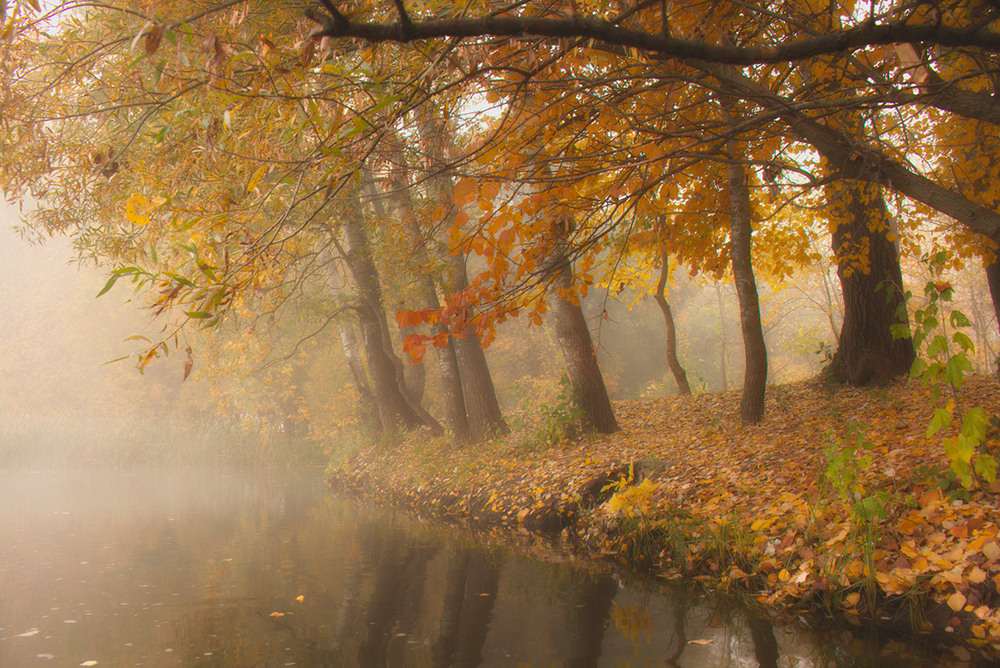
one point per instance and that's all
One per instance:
(837, 502)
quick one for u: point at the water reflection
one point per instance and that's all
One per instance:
(192, 568)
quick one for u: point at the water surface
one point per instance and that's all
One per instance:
(200, 568)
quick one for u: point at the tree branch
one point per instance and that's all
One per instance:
(854, 159)
(656, 43)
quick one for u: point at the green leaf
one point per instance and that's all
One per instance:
(961, 448)
(963, 341)
(956, 368)
(179, 279)
(110, 284)
(938, 346)
(900, 331)
(207, 270)
(958, 319)
(940, 420)
(198, 315)
(986, 467)
(974, 425)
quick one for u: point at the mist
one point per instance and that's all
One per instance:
(70, 390)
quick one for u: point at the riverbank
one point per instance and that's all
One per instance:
(833, 503)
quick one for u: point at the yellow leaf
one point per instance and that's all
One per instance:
(300, 598)
(852, 599)
(991, 550)
(956, 601)
(255, 179)
(784, 575)
(976, 575)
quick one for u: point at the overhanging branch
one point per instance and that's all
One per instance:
(406, 30)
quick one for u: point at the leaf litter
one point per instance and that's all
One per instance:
(748, 508)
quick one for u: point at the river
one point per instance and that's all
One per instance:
(208, 568)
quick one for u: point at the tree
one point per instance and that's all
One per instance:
(568, 108)
(872, 282)
(574, 336)
(680, 377)
(395, 406)
(755, 352)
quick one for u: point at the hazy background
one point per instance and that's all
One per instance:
(62, 397)
(63, 400)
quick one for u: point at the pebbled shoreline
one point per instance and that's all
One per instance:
(684, 491)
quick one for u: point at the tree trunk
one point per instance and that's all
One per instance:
(485, 418)
(368, 417)
(723, 362)
(448, 368)
(482, 407)
(754, 350)
(577, 346)
(993, 278)
(395, 407)
(414, 372)
(680, 377)
(872, 283)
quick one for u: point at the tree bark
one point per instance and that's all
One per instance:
(481, 404)
(448, 368)
(680, 377)
(577, 346)
(368, 416)
(993, 278)
(723, 362)
(414, 372)
(485, 418)
(395, 407)
(872, 284)
(755, 351)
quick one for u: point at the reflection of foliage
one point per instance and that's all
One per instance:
(632, 621)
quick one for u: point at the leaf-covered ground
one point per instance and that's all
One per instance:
(683, 488)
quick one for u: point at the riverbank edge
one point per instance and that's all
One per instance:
(603, 512)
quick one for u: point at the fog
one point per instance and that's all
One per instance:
(63, 397)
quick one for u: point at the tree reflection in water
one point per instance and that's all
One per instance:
(197, 568)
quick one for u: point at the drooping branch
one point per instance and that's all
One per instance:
(607, 33)
(855, 159)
